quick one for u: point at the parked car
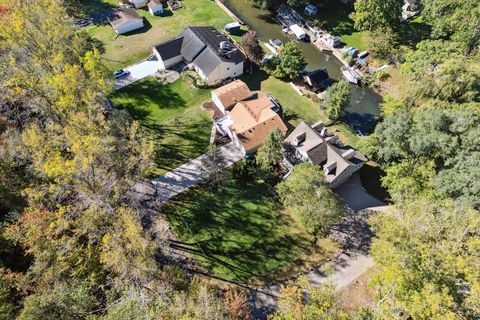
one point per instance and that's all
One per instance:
(120, 73)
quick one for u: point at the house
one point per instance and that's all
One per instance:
(316, 145)
(155, 7)
(317, 79)
(310, 10)
(124, 20)
(205, 49)
(139, 3)
(245, 116)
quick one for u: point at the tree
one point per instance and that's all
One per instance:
(314, 205)
(270, 154)
(426, 258)
(373, 14)
(457, 20)
(263, 4)
(251, 45)
(290, 62)
(337, 99)
(381, 42)
(214, 165)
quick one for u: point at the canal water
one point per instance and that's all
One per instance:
(364, 107)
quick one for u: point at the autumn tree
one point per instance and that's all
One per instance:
(270, 153)
(337, 99)
(426, 261)
(314, 205)
(251, 45)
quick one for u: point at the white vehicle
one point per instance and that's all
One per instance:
(120, 73)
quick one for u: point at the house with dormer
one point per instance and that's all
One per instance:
(316, 145)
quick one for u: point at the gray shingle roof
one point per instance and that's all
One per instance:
(170, 48)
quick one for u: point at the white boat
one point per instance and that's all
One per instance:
(298, 31)
(276, 43)
(350, 75)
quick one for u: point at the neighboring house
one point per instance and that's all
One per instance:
(316, 145)
(209, 52)
(124, 20)
(155, 7)
(139, 3)
(317, 79)
(245, 116)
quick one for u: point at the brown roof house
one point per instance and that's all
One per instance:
(124, 20)
(316, 145)
(245, 116)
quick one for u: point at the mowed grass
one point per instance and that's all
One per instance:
(124, 50)
(239, 231)
(296, 108)
(86, 7)
(172, 115)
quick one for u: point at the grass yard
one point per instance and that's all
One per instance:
(239, 232)
(119, 52)
(172, 115)
(296, 108)
(86, 7)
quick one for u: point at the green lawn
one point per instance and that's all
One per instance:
(124, 50)
(172, 115)
(238, 232)
(86, 7)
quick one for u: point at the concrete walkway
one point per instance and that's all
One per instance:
(191, 173)
(137, 72)
(346, 269)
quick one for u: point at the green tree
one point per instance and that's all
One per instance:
(270, 153)
(374, 14)
(337, 99)
(381, 42)
(314, 205)
(426, 261)
(457, 20)
(290, 63)
(263, 4)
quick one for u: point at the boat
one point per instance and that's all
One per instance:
(299, 33)
(350, 75)
(276, 43)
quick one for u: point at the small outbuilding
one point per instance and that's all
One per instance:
(318, 79)
(124, 20)
(155, 7)
(139, 3)
(232, 28)
(310, 10)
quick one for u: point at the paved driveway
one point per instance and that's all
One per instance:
(355, 195)
(137, 72)
(346, 268)
(191, 173)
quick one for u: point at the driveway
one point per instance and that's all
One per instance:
(346, 269)
(192, 173)
(137, 72)
(355, 196)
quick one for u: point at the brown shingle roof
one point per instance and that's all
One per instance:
(233, 92)
(253, 120)
(121, 15)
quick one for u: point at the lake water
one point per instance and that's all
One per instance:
(364, 108)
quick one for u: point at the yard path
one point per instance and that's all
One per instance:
(346, 269)
(191, 173)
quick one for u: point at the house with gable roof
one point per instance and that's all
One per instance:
(210, 53)
(316, 145)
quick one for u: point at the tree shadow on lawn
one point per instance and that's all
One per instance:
(141, 98)
(237, 228)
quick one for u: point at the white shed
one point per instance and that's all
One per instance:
(139, 3)
(124, 20)
(155, 7)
